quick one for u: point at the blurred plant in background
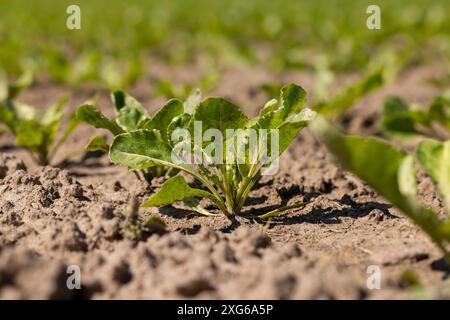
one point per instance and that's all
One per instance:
(115, 46)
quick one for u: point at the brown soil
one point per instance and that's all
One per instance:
(71, 214)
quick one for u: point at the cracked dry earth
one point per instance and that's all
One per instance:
(54, 217)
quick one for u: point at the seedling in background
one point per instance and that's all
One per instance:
(226, 184)
(392, 173)
(400, 120)
(92, 67)
(34, 130)
(170, 89)
(132, 116)
(341, 102)
(434, 156)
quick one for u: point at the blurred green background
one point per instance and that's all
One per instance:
(119, 39)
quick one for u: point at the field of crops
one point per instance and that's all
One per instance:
(210, 149)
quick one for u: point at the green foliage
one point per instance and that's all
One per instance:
(281, 35)
(10, 90)
(434, 157)
(343, 100)
(392, 173)
(400, 120)
(170, 89)
(162, 120)
(175, 189)
(90, 66)
(131, 117)
(97, 143)
(227, 183)
(89, 114)
(337, 105)
(34, 130)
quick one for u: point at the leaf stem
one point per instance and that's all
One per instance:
(203, 211)
(228, 196)
(282, 209)
(247, 184)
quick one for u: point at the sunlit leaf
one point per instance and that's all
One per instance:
(385, 168)
(434, 156)
(345, 99)
(89, 114)
(174, 189)
(163, 118)
(97, 143)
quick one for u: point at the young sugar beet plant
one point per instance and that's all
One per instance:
(336, 105)
(217, 145)
(402, 121)
(34, 130)
(392, 173)
(132, 116)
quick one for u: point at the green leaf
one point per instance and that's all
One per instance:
(11, 90)
(180, 122)
(145, 148)
(219, 114)
(345, 99)
(385, 168)
(23, 111)
(271, 89)
(165, 88)
(270, 120)
(399, 120)
(192, 101)
(53, 114)
(22, 83)
(129, 111)
(130, 117)
(174, 189)
(7, 117)
(73, 122)
(89, 114)
(434, 156)
(97, 143)
(38, 134)
(284, 134)
(163, 118)
(290, 129)
(118, 97)
(406, 177)
(394, 105)
(283, 124)
(30, 134)
(140, 149)
(51, 122)
(270, 106)
(292, 98)
(440, 111)
(371, 159)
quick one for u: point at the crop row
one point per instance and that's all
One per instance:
(114, 46)
(234, 157)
